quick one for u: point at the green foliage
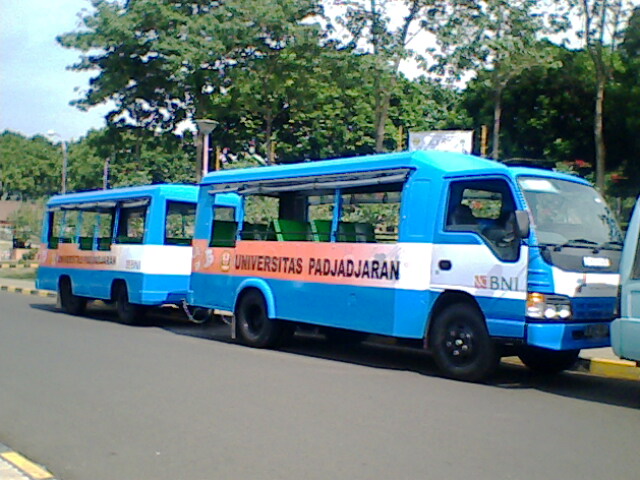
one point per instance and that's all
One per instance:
(27, 222)
(29, 168)
(547, 110)
(499, 36)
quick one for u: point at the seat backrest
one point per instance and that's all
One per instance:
(321, 230)
(346, 232)
(86, 243)
(364, 233)
(254, 231)
(291, 230)
(462, 215)
(224, 233)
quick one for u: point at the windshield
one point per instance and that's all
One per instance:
(569, 213)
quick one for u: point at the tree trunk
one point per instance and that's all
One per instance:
(384, 88)
(497, 117)
(269, 132)
(598, 133)
(381, 115)
(199, 149)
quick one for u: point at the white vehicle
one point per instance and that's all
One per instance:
(625, 331)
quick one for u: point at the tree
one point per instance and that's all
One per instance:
(621, 106)
(422, 105)
(494, 34)
(369, 25)
(134, 156)
(548, 109)
(29, 167)
(603, 24)
(165, 61)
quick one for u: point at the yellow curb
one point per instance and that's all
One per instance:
(26, 466)
(614, 368)
(601, 367)
(28, 291)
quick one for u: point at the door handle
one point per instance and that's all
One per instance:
(444, 264)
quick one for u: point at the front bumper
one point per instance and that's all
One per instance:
(568, 336)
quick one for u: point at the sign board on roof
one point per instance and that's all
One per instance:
(444, 140)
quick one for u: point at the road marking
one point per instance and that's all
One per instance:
(26, 466)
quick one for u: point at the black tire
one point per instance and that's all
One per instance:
(461, 345)
(254, 326)
(128, 313)
(543, 360)
(72, 304)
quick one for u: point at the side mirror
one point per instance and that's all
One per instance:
(523, 223)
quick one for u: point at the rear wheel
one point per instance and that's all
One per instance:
(128, 313)
(72, 304)
(255, 328)
(543, 360)
(461, 345)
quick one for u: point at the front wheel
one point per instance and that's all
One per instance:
(543, 360)
(255, 328)
(72, 304)
(461, 345)
(128, 313)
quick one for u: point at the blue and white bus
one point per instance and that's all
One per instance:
(131, 246)
(473, 258)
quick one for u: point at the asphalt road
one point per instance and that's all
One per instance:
(92, 399)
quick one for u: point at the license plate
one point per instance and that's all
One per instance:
(596, 331)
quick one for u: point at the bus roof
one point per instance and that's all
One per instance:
(428, 163)
(186, 193)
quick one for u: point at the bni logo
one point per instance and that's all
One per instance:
(480, 281)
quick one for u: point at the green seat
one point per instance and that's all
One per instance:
(223, 233)
(86, 243)
(364, 233)
(254, 231)
(177, 241)
(346, 232)
(104, 243)
(128, 240)
(321, 230)
(291, 230)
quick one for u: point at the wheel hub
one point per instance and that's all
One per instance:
(459, 343)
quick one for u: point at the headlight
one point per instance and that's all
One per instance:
(548, 307)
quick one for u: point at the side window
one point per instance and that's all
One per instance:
(370, 217)
(96, 229)
(180, 224)
(131, 225)
(56, 227)
(259, 213)
(224, 227)
(320, 214)
(485, 207)
(635, 272)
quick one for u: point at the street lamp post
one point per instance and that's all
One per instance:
(205, 127)
(65, 160)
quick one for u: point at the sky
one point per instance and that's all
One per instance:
(35, 85)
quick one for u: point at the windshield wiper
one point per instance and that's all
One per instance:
(611, 246)
(575, 242)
